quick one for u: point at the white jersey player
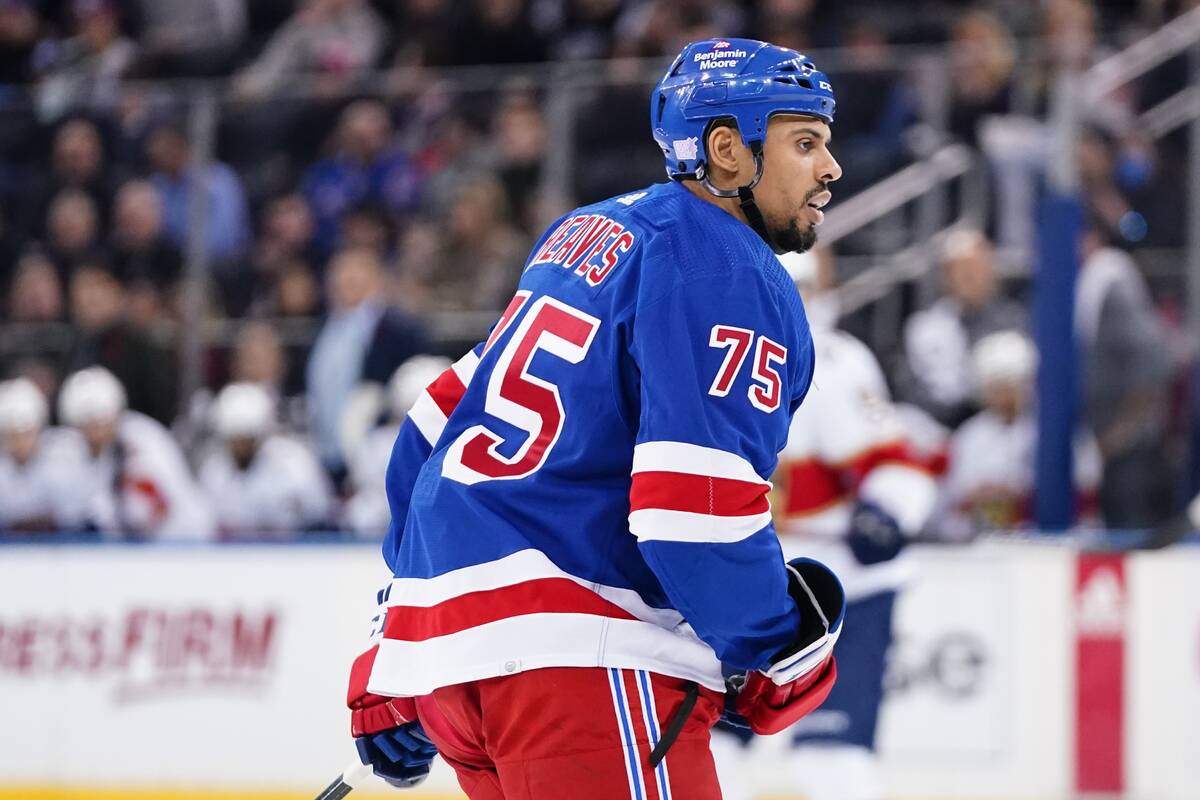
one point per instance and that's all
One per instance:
(258, 481)
(850, 492)
(367, 512)
(137, 478)
(41, 469)
(990, 475)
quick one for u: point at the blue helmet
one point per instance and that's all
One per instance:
(745, 79)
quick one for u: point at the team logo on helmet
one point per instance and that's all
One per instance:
(686, 148)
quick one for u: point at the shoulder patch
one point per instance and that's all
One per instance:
(630, 199)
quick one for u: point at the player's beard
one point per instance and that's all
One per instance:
(797, 236)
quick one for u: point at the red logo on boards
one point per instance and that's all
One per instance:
(147, 652)
(721, 45)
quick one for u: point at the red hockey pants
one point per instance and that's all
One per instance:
(574, 734)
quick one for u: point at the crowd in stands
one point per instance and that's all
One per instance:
(377, 163)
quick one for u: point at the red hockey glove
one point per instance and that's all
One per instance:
(769, 708)
(372, 713)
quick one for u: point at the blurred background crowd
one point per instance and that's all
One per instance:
(237, 237)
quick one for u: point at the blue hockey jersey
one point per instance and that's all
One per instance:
(589, 487)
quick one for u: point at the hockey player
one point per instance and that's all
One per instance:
(40, 467)
(851, 495)
(260, 482)
(138, 479)
(366, 512)
(990, 475)
(581, 537)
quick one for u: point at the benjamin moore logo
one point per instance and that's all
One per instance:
(148, 652)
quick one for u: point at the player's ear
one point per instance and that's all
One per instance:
(727, 155)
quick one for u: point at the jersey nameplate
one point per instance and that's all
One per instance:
(589, 244)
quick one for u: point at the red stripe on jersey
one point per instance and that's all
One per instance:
(540, 596)
(858, 467)
(812, 486)
(446, 391)
(149, 490)
(699, 494)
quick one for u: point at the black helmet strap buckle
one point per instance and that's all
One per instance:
(745, 194)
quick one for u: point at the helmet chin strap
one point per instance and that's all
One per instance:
(745, 196)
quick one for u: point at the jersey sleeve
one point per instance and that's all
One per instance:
(421, 429)
(722, 365)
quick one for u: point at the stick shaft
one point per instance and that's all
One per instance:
(336, 790)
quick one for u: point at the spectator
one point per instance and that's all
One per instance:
(35, 294)
(788, 23)
(72, 230)
(367, 512)
(989, 483)
(40, 467)
(297, 292)
(189, 37)
(361, 340)
(1125, 380)
(328, 44)
(366, 167)
(108, 339)
(288, 231)
(260, 482)
(493, 32)
(983, 59)
(454, 153)
(77, 162)
(368, 226)
(519, 131)
(584, 29)
(84, 71)
(10, 248)
(474, 262)
(19, 26)
(139, 482)
(938, 340)
(1070, 41)
(875, 108)
(661, 28)
(259, 357)
(141, 251)
(1129, 190)
(174, 176)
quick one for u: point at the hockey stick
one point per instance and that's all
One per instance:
(351, 778)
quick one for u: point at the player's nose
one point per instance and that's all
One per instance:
(830, 170)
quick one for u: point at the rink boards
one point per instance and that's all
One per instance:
(1022, 671)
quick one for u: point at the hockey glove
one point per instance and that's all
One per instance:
(874, 534)
(767, 708)
(818, 595)
(386, 730)
(801, 677)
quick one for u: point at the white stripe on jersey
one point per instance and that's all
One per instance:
(428, 418)
(538, 640)
(693, 459)
(521, 566)
(686, 526)
(425, 413)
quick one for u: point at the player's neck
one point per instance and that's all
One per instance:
(730, 205)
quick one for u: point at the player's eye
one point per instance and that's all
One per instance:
(805, 144)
